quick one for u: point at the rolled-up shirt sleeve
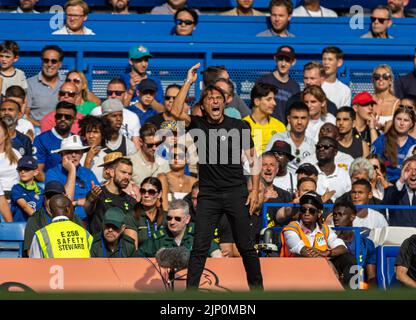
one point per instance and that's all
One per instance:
(334, 241)
(293, 241)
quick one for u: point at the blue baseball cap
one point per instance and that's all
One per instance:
(139, 52)
(27, 162)
(147, 85)
(54, 186)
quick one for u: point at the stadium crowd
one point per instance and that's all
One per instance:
(123, 173)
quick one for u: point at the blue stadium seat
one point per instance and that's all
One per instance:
(386, 257)
(11, 239)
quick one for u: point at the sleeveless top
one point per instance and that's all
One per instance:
(383, 119)
(355, 150)
(122, 148)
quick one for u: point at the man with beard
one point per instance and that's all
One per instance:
(397, 7)
(100, 199)
(112, 242)
(51, 140)
(119, 6)
(9, 113)
(42, 89)
(26, 6)
(112, 110)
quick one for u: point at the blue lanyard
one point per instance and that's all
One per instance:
(149, 230)
(105, 251)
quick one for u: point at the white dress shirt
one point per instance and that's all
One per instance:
(339, 181)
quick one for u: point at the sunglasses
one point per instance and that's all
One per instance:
(71, 94)
(118, 93)
(284, 58)
(178, 219)
(381, 20)
(151, 145)
(150, 192)
(53, 61)
(59, 116)
(304, 210)
(170, 98)
(384, 76)
(73, 80)
(324, 146)
(187, 22)
(406, 107)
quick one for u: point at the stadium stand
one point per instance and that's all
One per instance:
(386, 256)
(11, 239)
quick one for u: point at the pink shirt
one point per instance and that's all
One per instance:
(48, 122)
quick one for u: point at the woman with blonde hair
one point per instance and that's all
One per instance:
(384, 96)
(8, 161)
(86, 101)
(314, 97)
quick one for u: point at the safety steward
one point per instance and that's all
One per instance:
(62, 238)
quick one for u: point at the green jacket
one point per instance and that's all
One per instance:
(163, 238)
(125, 243)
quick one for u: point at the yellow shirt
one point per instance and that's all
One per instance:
(261, 133)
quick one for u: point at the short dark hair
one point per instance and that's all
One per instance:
(209, 89)
(228, 83)
(173, 85)
(335, 50)
(305, 179)
(348, 110)
(363, 182)
(53, 48)
(15, 92)
(10, 45)
(123, 161)
(66, 105)
(315, 65)
(17, 104)
(285, 3)
(211, 74)
(345, 204)
(118, 80)
(298, 106)
(261, 90)
(191, 11)
(384, 7)
(147, 130)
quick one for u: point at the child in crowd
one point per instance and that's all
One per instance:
(9, 54)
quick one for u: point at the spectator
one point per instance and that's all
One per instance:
(119, 6)
(68, 93)
(380, 23)
(313, 8)
(405, 265)
(335, 90)
(331, 177)
(93, 132)
(112, 242)
(26, 196)
(344, 215)
(307, 170)
(51, 140)
(282, 152)
(76, 12)
(26, 6)
(397, 7)
(367, 218)
(116, 89)
(9, 55)
(263, 126)
(186, 20)
(8, 162)
(77, 179)
(148, 216)
(365, 119)
(175, 184)
(179, 233)
(9, 113)
(243, 8)
(394, 145)
(43, 215)
(112, 110)
(145, 160)
(139, 61)
(146, 92)
(228, 89)
(171, 92)
(314, 97)
(403, 193)
(386, 102)
(285, 87)
(65, 239)
(280, 15)
(405, 86)
(24, 126)
(170, 7)
(313, 74)
(348, 142)
(86, 100)
(110, 195)
(42, 89)
(301, 145)
(379, 181)
(309, 238)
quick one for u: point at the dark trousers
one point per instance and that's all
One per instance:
(211, 206)
(343, 264)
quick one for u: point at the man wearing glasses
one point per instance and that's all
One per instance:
(51, 140)
(76, 14)
(380, 23)
(43, 88)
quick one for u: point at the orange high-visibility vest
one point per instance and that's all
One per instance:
(320, 242)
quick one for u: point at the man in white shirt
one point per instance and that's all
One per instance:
(76, 14)
(367, 218)
(26, 6)
(313, 8)
(284, 179)
(335, 90)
